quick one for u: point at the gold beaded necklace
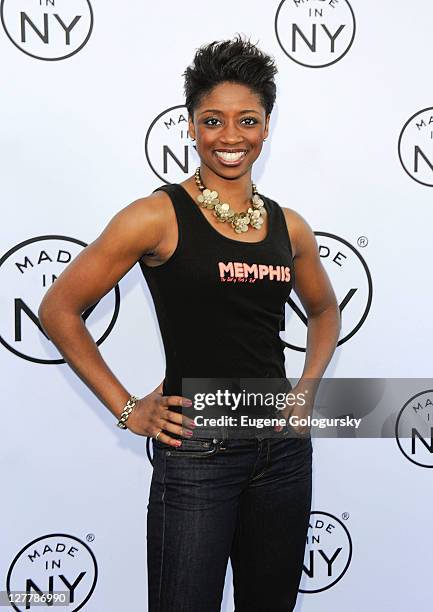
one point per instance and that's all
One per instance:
(239, 221)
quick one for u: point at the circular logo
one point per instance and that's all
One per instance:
(53, 563)
(47, 30)
(351, 281)
(26, 272)
(415, 147)
(328, 553)
(169, 151)
(414, 429)
(315, 34)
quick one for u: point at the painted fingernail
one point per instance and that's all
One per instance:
(188, 432)
(186, 402)
(178, 443)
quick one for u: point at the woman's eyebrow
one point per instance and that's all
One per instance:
(216, 110)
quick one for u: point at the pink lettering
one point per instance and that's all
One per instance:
(251, 270)
(263, 270)
(223, 268)
(274, 272)
(241, 270)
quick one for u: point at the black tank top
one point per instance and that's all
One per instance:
(220, 301)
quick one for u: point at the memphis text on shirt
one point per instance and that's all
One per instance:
(240, 271)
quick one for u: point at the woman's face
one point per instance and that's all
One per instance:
(229, 126)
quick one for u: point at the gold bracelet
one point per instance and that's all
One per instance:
(129, 407)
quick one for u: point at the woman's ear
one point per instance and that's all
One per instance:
(266, 132)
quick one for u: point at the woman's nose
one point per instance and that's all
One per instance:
(231, 134)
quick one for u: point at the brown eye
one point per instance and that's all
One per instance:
(207, 121)
(251, 120)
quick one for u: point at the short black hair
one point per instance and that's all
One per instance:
(238, 61)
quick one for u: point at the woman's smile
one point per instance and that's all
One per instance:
(231, 157)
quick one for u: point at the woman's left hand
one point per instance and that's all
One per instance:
(301, 408)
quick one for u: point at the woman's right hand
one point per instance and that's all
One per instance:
(152, 413)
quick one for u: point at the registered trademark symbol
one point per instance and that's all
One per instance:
(345, 516)
(90, 537)
(362, 241)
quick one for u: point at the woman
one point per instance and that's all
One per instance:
(219, 275)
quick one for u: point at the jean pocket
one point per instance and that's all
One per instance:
(190, 448)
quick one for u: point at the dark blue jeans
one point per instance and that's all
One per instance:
(214, 499)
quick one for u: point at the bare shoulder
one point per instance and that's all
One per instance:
(301, 235)
(131, 233)
(150, 209)
(143, 221)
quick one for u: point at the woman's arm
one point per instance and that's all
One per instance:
(132, 232)
(317, 296)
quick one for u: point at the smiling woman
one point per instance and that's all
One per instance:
(229, 102)
(220, 260)
(208, 507)
(231, 133)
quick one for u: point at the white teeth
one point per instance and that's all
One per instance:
(230, 157)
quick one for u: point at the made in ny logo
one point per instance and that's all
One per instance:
(414, 429)
(27, 270)
(170, 152)
(415, 147)
(51, 564)
(315, 33)
(47, 29)
(352, 284)
(328, 552)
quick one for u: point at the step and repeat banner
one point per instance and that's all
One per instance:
(92, 118)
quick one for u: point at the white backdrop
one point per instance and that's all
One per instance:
(351, 149)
